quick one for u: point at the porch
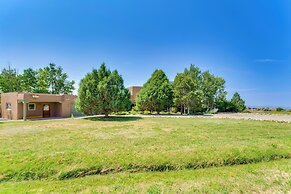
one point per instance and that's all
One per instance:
(38, 110)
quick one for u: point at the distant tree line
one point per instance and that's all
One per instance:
(50, 80)
(102, 91)
(192, 91)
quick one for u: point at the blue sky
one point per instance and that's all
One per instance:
(245, 41)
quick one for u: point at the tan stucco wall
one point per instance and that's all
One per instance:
(9, 98)
(55, 109)
(60, 105)
(134, 90)
(67, 106)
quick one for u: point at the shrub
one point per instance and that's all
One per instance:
(121, 113)
(164, 113)
(280, 109)
(173, 110)
(146, 112)
(246, 111)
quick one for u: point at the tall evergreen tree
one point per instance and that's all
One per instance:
(237, 103)
(102, 92)
(156, 94)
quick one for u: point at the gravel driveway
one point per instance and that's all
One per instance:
(244, 116)
(255, 116)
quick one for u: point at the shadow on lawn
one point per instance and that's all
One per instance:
(114, 118)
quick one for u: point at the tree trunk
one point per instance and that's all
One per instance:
(188, 111)
(184, 109)
(106, 115)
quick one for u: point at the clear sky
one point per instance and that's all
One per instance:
(248, 42)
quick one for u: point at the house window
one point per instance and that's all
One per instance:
(8, 106)
(32, 106)
(46, 107)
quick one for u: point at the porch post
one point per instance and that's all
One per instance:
(24, 110)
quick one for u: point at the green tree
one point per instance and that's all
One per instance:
(213, 90)
(156, 94)
(222, 104)
(237, 103)
(29, 80)
(42, 81)
(10, 80)
(195, 91)
(102, 92)
(52, 79)
(195, 95)
(187, 90)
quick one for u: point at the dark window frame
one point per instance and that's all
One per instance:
(30, 109)
(8, 106)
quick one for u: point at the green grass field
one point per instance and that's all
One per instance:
(154, 155)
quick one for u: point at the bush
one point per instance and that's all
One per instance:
(121, 113)
(266, 109)
(174, 110)
(280, 109)
(146, 112)
(165, 113)
(133, 112)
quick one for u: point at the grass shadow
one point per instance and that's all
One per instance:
(114, 118)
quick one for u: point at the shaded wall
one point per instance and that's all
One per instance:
(55, 110)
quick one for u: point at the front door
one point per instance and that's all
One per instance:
(46, 111)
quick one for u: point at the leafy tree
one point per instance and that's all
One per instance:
(195, 91)
(213, 90)
(222, 104)
(279, 109)
(156, 94)
(10, 80)
(195, 96)
(42, 81)
(51, 79)
(181, 88)
(102, 92)
(237, 103)
(29, 80)
(187, 90)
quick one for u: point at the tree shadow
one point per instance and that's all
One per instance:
(114, 118)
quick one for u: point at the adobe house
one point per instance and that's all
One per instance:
(29, 105)
(134, 90)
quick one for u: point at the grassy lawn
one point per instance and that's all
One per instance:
(269, 177)
(149, 154)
